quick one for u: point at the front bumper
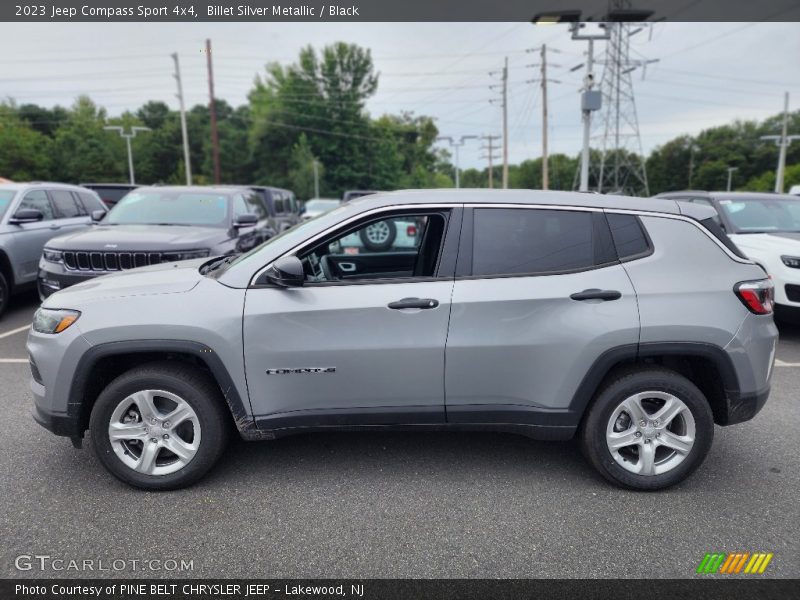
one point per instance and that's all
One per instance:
(53, 277)
(57, 423)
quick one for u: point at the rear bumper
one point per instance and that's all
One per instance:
(741, 407)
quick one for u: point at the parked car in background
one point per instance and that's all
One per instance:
(795, 190)
(317, 206)
(540, 313)
(110, 193)
(766, 228)
(353, 194)
(283, 210)
(30, 215)
(153, 225)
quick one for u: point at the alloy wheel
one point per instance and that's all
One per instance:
(650, 433)
(154, 432)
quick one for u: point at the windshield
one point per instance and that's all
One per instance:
(164, 207)
(757, 215)
(321, 205)
(6, 196)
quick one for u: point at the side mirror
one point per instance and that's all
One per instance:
(245, 220)
(26, 215)
(286, 272)
(97, 215)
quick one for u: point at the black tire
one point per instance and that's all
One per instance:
(592, 434)
(383, 245)
(197, 389)
(5, 294)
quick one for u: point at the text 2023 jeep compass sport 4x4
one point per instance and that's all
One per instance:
(633, 323)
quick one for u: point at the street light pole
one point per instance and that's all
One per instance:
(456, 145)
(128, 137)
(730, 176)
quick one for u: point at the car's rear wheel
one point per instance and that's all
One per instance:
(159, 426)
(648, 429)
(378, 236)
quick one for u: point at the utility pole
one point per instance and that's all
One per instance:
(316, 178)
(489, 147)
(456, 145)
(505, 125)
(128, 137)
(212, 109)
(730, 176)
(545, 174)
(184, 132)
(591, 100)
(543, 81)
(504, 105)
(782, 141)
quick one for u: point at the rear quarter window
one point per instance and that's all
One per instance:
(629, 237)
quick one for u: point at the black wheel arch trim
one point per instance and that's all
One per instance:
(636, 352)
(241, 414)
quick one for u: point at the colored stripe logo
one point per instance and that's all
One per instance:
(734, 562)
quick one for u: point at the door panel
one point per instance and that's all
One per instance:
(523, 342)
(374, 358)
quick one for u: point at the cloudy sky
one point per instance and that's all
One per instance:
(706, 74)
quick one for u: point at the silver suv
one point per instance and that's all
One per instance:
(633, 324)
(31, 214)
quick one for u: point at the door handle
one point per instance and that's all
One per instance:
(595, 294)
(55, 226)
(423, 303)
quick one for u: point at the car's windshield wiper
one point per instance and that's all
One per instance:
(222, 261)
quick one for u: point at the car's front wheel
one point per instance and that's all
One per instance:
(159, 426)
(647, 429)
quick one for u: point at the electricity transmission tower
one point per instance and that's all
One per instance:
(618, 165)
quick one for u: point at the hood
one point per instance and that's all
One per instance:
(167, 278)
(139, 238)
(782, 243)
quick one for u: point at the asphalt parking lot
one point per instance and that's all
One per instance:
(399, 505)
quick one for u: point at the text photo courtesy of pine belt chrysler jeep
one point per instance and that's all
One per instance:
(633, 324)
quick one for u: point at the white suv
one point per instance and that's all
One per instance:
(765, 227)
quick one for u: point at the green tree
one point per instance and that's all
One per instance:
(25, 153)
(83, 151)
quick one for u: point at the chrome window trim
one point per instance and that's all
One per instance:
(414, 206)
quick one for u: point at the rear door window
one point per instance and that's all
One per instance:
(90, 202)
(535, 241)
(66, 207)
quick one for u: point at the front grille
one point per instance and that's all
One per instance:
(793, 292)
(114, 261)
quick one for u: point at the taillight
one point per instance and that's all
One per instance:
(757, 296)
(411, 230)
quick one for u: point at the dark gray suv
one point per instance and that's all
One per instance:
(154, 225)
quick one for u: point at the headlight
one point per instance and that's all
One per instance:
(187, 255)
(791, 261)
(55, 256)
(48, 320)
